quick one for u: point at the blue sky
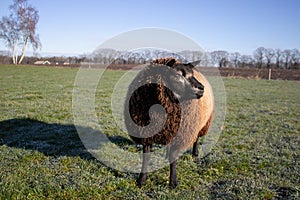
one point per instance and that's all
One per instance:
(76, 27)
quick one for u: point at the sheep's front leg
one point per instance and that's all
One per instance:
(146, 156)
(173, 159)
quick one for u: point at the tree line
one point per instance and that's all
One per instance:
(261, 58)
(5, 58)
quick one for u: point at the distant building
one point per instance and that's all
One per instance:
(42, 62)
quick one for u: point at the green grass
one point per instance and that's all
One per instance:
(257, 155)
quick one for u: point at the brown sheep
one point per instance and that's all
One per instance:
(187, 100)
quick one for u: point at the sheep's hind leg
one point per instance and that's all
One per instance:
(173, 154)
(146, 156)
(195, 151)
(202, 133)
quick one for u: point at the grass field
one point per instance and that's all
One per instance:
(257, 155)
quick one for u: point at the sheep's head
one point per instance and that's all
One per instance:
(185, 85)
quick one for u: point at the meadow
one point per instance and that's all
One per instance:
(256, 157)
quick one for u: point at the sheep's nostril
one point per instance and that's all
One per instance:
(201, 92)
(199, 95)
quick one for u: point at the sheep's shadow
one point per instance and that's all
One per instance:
(50, 139)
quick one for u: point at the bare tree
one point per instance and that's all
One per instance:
(8, 33)
(156, 53)
(4, 57)
(198, 55)
(295, 58)
(206, 59)
(246, 60)
(147, 54)
(235, 58)
(258, 54)
(105, 55)
(220, 57)
(287, 55)
(187, 55)
(19, 29)
(269, 54)
(278, 55)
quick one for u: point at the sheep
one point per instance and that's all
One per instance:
(188, 103)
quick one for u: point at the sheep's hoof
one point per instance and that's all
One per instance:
(173, 184)
(195, 154)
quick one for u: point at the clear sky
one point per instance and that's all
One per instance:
(79, 26)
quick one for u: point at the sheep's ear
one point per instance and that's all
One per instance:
(194, 64)
(171, 62)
